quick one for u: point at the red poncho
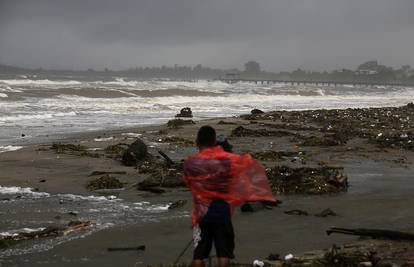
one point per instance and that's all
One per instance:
(216, 174)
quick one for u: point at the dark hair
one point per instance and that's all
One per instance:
(206, 136)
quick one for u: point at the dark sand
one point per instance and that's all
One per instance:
(380, 196)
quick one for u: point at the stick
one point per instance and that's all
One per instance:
(167, 158)
(127, 248)
(373, 233)
(183, 252)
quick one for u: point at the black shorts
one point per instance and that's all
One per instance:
(221, 233)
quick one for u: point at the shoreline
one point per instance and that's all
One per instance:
(379, 173)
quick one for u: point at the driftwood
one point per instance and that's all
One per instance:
(49, 231)
(169, 161)
(373, 233)
(139, 248)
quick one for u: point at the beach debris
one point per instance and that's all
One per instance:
(177, 204)
(373, 233)
(326, 213)
(138, 248)
(178, 123)
(297, 212)
(136, 152)
(105, 182)
(289, 257)
(253, 206)
(185, 113)
(63, 148)
(52, 231)
(273, 257)
(241, 131)
(306, 180)
(94, 173)
(258, 263)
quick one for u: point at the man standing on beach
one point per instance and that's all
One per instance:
(220, 181)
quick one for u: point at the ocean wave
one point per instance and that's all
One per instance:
(9, 148)
(2, 95)
(39, 82)
(21, 117)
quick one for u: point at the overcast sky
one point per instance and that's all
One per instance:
(280, 34)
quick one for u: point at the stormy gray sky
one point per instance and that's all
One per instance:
(280, 34)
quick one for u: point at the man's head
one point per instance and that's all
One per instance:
(206, 137)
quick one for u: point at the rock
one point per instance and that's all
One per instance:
(256, 111)
(73, 213)
(42, 181)
(326, 213)
(178, 123)
(136, 152)
(105, 182)
(185, 113)
(410, 105)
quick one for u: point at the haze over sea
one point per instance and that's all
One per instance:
(42, 108)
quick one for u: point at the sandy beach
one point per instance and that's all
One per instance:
(373, 146)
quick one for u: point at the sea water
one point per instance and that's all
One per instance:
(33, 109)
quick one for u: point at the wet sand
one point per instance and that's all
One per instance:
(380, 195)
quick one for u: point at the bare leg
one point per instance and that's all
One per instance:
(223, 262)
(197, 263)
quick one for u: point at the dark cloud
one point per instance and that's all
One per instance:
(317, 34)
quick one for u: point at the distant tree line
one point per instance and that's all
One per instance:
(368, 71)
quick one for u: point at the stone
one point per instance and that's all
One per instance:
(136, 152)
(185, 113)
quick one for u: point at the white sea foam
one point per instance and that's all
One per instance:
(11, 233)
(38, 82)
(16, 190)
(21, 117)
(132, 134)
(9, 148)
(2, 95)
(104, 139)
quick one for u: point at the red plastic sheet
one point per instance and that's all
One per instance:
(216, 174)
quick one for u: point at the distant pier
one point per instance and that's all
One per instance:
(314, 82)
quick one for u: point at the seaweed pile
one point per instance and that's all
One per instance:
(321, 180)
(104, 182)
